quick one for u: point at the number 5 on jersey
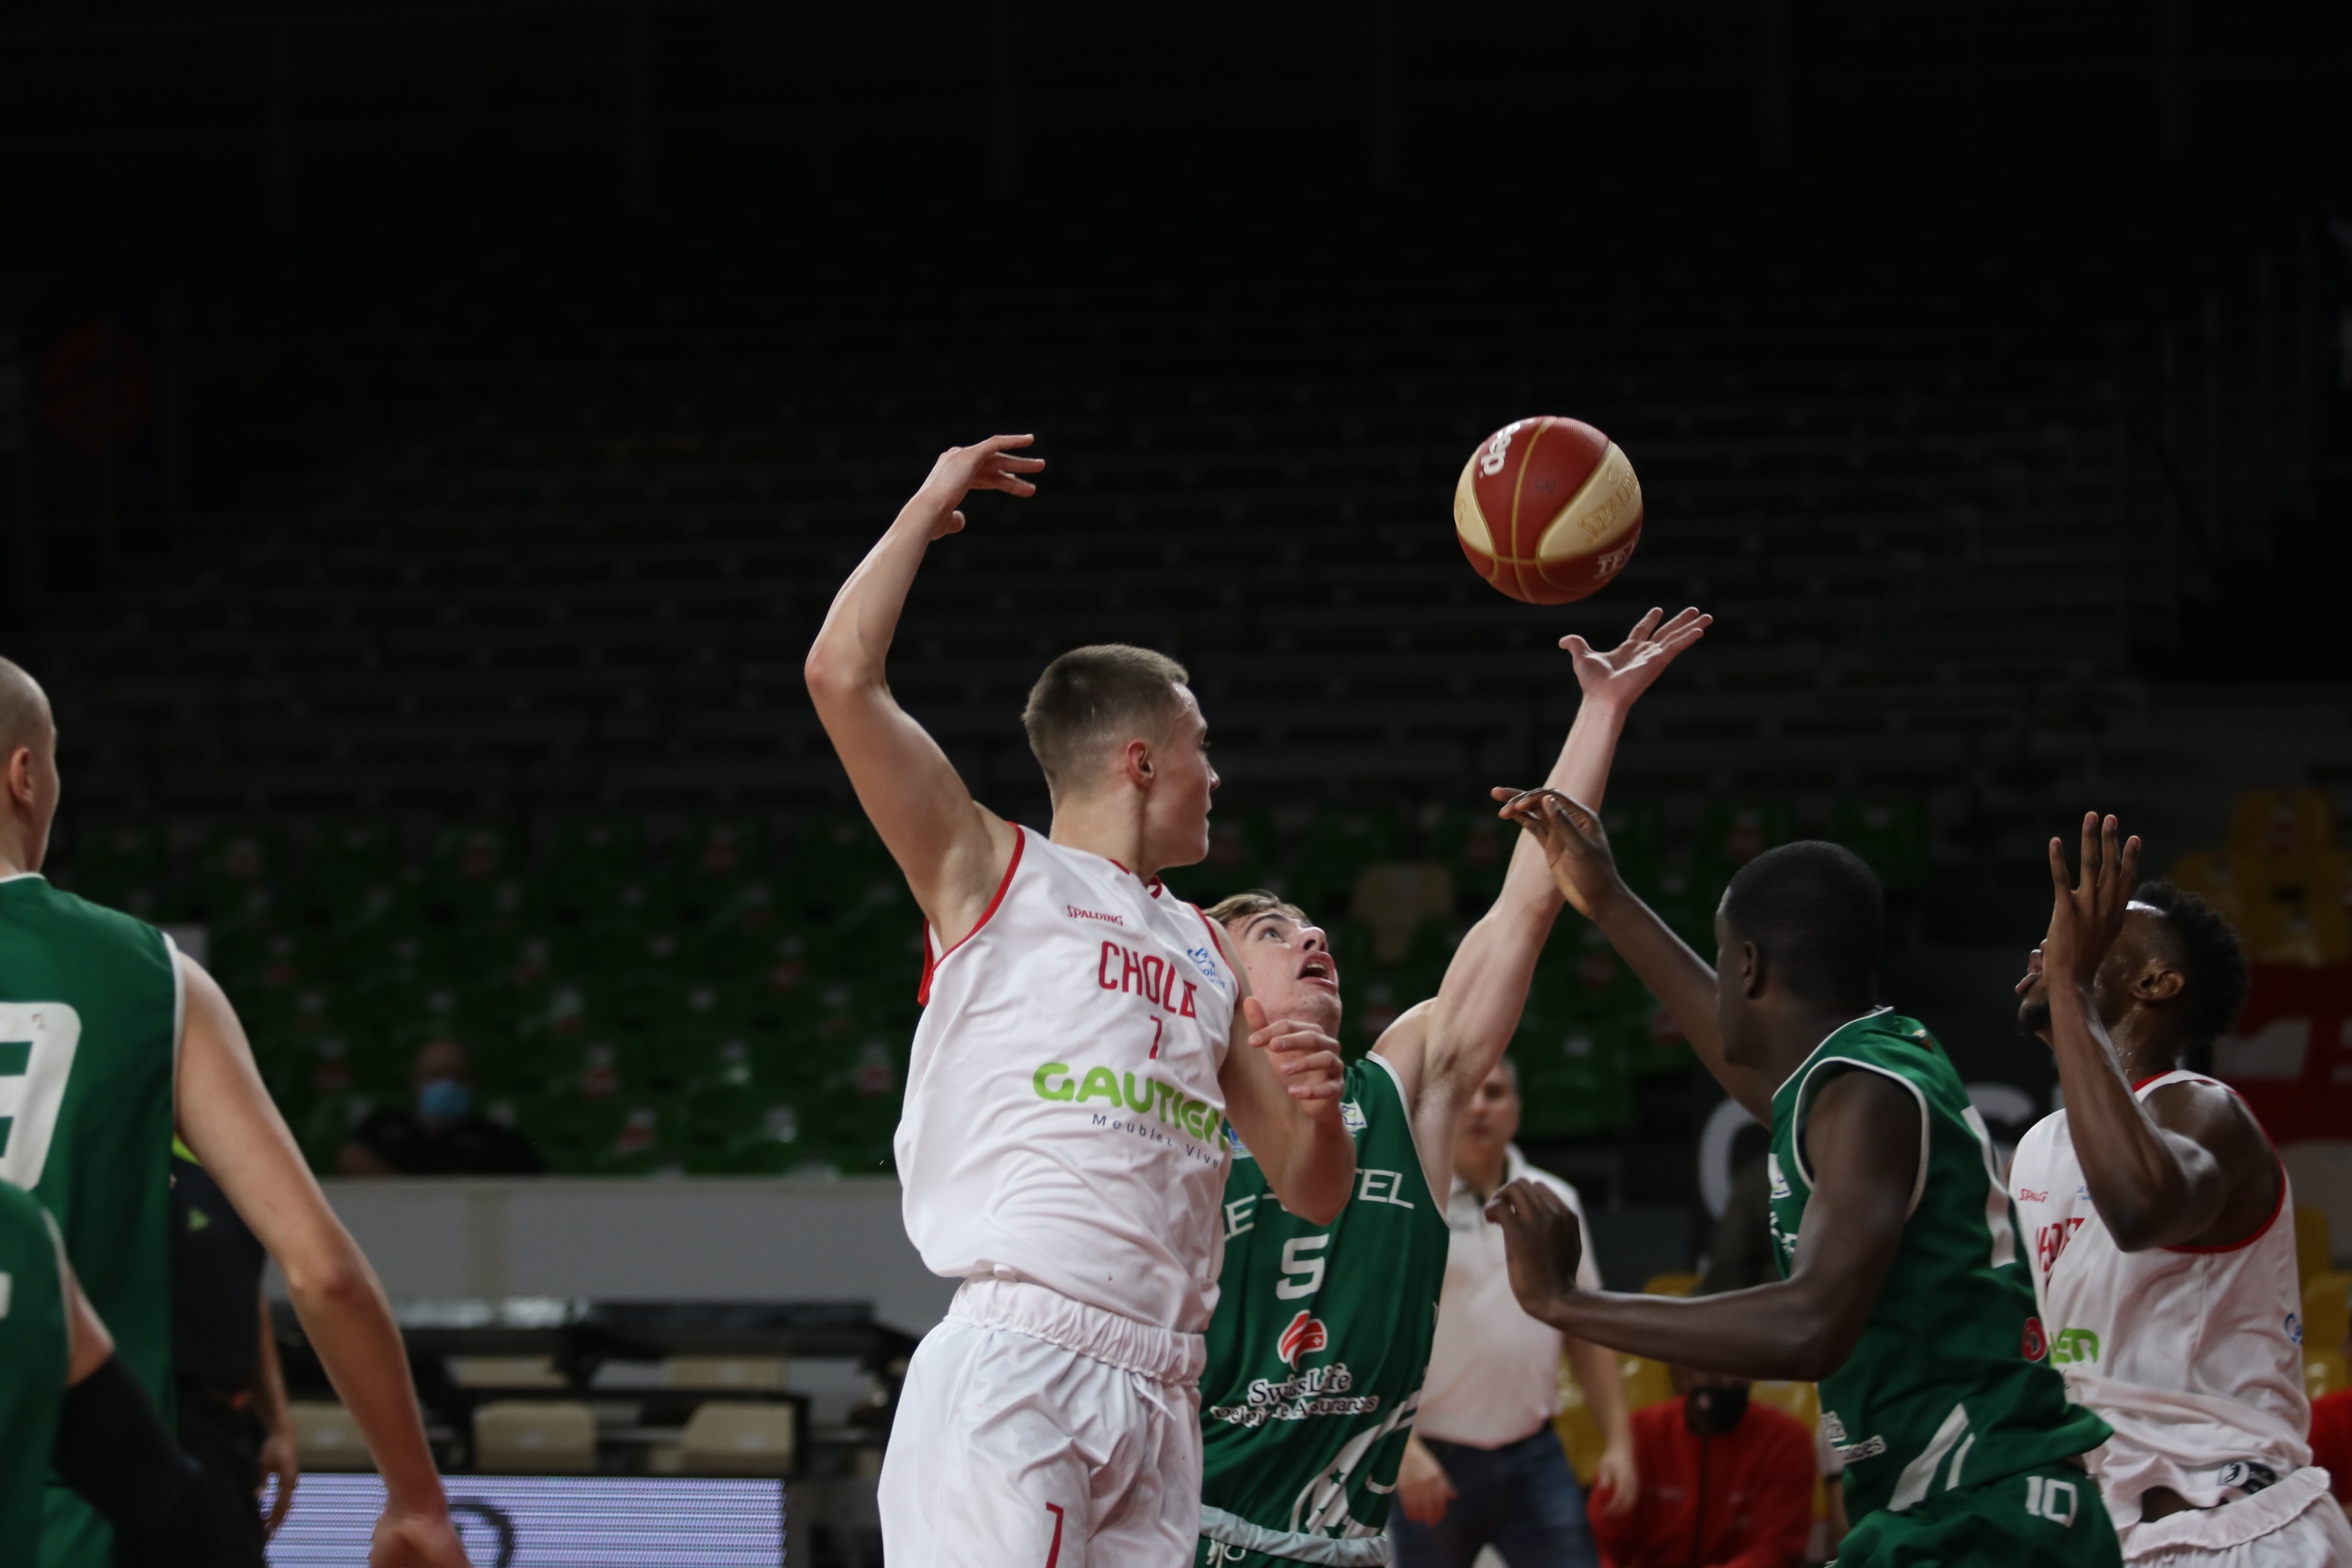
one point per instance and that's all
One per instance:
(36, 1054)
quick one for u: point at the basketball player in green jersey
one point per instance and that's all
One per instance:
(67, 1402)
(97, 1010)
(1322, 1333)
(1905, 1293)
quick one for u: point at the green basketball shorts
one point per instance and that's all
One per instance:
(2049, 1518)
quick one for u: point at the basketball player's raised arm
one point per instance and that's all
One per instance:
(225, 1115)
(2160, 1169)
(953, 850)
(1577, 848)
(1443, 1050)
(1282, 1084)
(1862, 1142)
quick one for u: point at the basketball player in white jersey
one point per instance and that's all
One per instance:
(2162, 1256)
(1085, 1037)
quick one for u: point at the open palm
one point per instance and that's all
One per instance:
(1625, 671)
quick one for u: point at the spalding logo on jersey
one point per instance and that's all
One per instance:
(1305, 1335)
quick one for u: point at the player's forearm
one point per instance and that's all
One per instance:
(2144, 1191)
(854, 645)
(1684, 984)
(269, 1387)
(350, 1324)
(1604, 1391)
(1315, 1169)
(1771, 1331)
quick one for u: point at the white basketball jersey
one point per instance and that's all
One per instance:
(2194, 1355)
(1063, 1122)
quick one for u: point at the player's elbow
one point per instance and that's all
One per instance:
(1819, 1348)
(330, 1278)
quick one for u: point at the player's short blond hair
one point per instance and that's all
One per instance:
(1250, 905)
(1095, 697)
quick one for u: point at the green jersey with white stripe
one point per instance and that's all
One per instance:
(1949, 1385)
(33, 1352)
(89, 1035)
(1318, 1345)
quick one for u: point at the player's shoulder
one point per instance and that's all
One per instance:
(2040, 1140)
(19, 1210)
(60, 906)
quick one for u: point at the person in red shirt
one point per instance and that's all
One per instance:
(1725, 1484)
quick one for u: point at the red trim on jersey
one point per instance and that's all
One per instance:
(2193, 1078)
(1152, 885)
(930, 964)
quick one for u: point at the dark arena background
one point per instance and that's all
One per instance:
(430, 437)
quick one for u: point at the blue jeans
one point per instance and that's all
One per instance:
(1520, 1498)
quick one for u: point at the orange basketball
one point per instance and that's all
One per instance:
(1548, 510)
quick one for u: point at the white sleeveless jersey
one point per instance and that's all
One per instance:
(1063, 1122)
(2194, 1355)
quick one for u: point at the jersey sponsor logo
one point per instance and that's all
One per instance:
(2034, 1341)
(2071, 1347)
(2028, 1195)
(1318, 1390)
(1206, 963)
(1779, 1182)
(2049, 1240)
(1848, 1450)
(1304, 1336)
(1241, 1216)
(1145, 975)
(1169, 1105)
(1381, 1187)
(1075, 913)
(1351, 1116)
(1241, 1150)
(2295, 1328)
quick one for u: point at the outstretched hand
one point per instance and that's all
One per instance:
(1540, 1239)
(1308, 1059)
(1575, 845)
(961, 470)
(2086, 916)
(1625, 671)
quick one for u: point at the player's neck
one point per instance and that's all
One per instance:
(1109, 824)
(1799, 1032)
(2143, 1049)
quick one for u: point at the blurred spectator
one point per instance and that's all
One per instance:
(1739, 1254)
(1485, 1466)
(233, 1415)
(1725, 1483)
(444, 1136)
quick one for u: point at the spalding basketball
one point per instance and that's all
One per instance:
(1548, 510)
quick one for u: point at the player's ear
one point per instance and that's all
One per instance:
(2157, 981)
(1135, 763)
(1751, 970)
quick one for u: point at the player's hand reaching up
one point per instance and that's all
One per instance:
(416, 1541)
(986, 466)
(1625, 671)
(2087, 915)
(1540, 1239)
(1574, 843)
(1308, 1058)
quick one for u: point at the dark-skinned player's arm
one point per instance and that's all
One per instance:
(1862, 1140)
(226, 1116)
(1576, 847)
(1282, 1085)
(112, 1450)
(2163, 1171)
(1444, 1048)
(953, 850)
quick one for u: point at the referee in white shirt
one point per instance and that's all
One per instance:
(1485, 1467)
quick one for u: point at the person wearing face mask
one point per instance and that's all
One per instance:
(444, 1135)
(1726, 1483)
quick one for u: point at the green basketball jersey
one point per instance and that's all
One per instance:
(89, 1032)
(1948, 1386)
(33, 1347)
(1317, 1348)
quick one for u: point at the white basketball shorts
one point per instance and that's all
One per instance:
(1034, 1431)
(2294, 1524)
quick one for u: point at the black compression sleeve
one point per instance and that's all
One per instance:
(111, 1448)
